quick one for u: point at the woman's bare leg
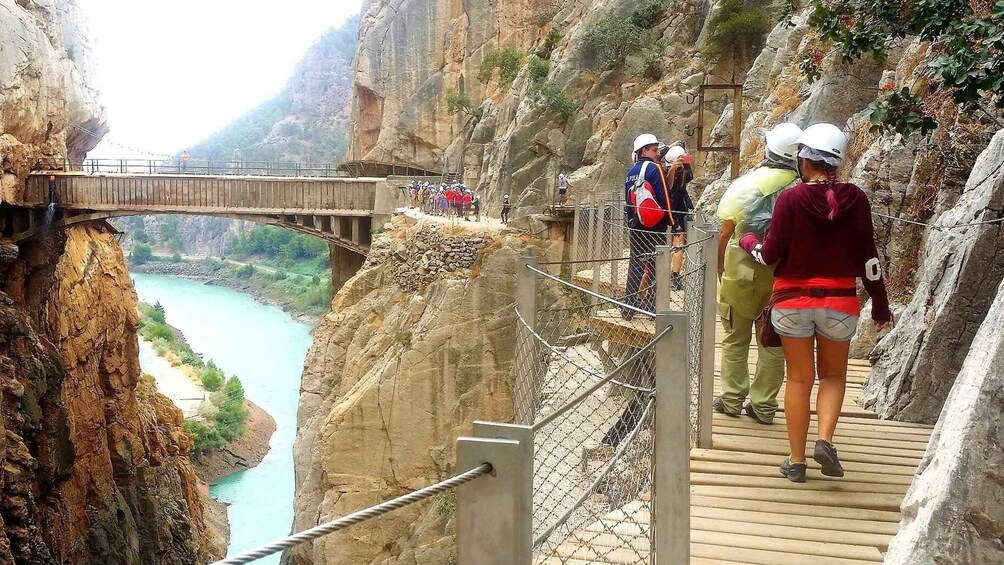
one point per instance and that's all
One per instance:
(801, 369)
(678, 239)
(831, 366)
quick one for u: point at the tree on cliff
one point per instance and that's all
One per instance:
(967, 40)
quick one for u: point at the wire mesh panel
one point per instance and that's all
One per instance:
(586, 383)
(591, 373)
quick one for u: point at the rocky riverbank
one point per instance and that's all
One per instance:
(241, 454)
(203, 271)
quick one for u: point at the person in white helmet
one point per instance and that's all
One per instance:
(646, 210)
(821, 240)
(506, 206)
(678, 163)
(746, 285)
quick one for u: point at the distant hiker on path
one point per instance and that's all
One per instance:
(184, 161)
(821, 239)
(506, 206)
(745, 286)
(562, 189)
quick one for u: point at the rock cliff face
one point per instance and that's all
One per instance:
(94, 461)
(419, 343)
(954, 511)
(412, 53)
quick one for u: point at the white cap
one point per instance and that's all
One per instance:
(826, 138)
(782, 141)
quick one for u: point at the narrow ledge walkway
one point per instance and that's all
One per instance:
(744, 512)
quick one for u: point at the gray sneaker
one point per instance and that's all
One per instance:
(826, 455)
(794, 472)
(719, 406)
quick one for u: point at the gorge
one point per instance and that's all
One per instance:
(420, 339)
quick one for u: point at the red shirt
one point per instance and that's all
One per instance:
(824, 235)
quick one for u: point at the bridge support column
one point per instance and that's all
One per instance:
(344, 265)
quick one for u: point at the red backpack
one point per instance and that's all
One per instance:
(646, 207)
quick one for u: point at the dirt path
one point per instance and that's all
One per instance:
(171, 381)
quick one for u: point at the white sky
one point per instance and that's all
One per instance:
(171, 73)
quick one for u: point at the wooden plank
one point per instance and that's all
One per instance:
(761, 557)
(898, 474)
(810, 498)
(861, 438)
(883, 530)
(779, 482)
(722, 501)
(849, 453)
(771, 470)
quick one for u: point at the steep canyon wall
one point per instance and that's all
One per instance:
(358, 431)
(94, 460)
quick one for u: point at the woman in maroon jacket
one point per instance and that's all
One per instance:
(821, 239)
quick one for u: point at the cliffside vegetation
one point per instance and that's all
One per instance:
(223, 417)
(967, 38)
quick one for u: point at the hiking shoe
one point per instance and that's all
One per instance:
(794, 472)
(719, 406)
(752, 414)
(826, 455)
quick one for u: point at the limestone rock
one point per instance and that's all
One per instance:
(960, 271)
(398, 370)
(953, 513)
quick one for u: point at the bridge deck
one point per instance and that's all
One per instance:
(743, 511)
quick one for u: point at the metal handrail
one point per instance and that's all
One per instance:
(198, 166)
(356, 517)
(621, 448)
(588, 292)
(598, 384)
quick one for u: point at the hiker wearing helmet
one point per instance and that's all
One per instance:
(646, 205)
(745, 286)
(506, 206)
(679, 173)
(821, 239)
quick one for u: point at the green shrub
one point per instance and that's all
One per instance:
(158, 314)
(279, 275)
(173, 244)
(154, 331)
(212, 377)
(507, 61)
(457, 102)
(649, 63)
(650, 14)
(611, 40)
(537, 69)
(176, 258)
(550, 42)
(549, 98)
(141, 254)
(315, 280)
(737, 30)
(246, 272)
(204, 437)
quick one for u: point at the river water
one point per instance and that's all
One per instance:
(265, 347)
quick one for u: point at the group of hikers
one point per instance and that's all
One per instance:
(454, 200)
(793, 242)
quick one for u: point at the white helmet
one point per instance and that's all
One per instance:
(783, 139)
(826, 138)
(505, 196)
(644, 140)
(675, 152)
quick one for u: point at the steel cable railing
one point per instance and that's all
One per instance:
(357, 517)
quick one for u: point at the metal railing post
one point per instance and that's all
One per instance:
(576, 240)
(491, 516)
(523, 544)
(709, 254)
(671, 507)
(595, 241)
(527, 380)
(663, 276)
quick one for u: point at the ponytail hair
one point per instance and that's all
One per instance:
(831, 197)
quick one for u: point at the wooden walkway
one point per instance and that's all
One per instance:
(744, 512)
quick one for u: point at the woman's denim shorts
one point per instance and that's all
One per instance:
(805, 322)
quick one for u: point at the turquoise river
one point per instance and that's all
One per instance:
(265, 347)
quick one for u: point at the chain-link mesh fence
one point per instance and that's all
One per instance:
(586, 384)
